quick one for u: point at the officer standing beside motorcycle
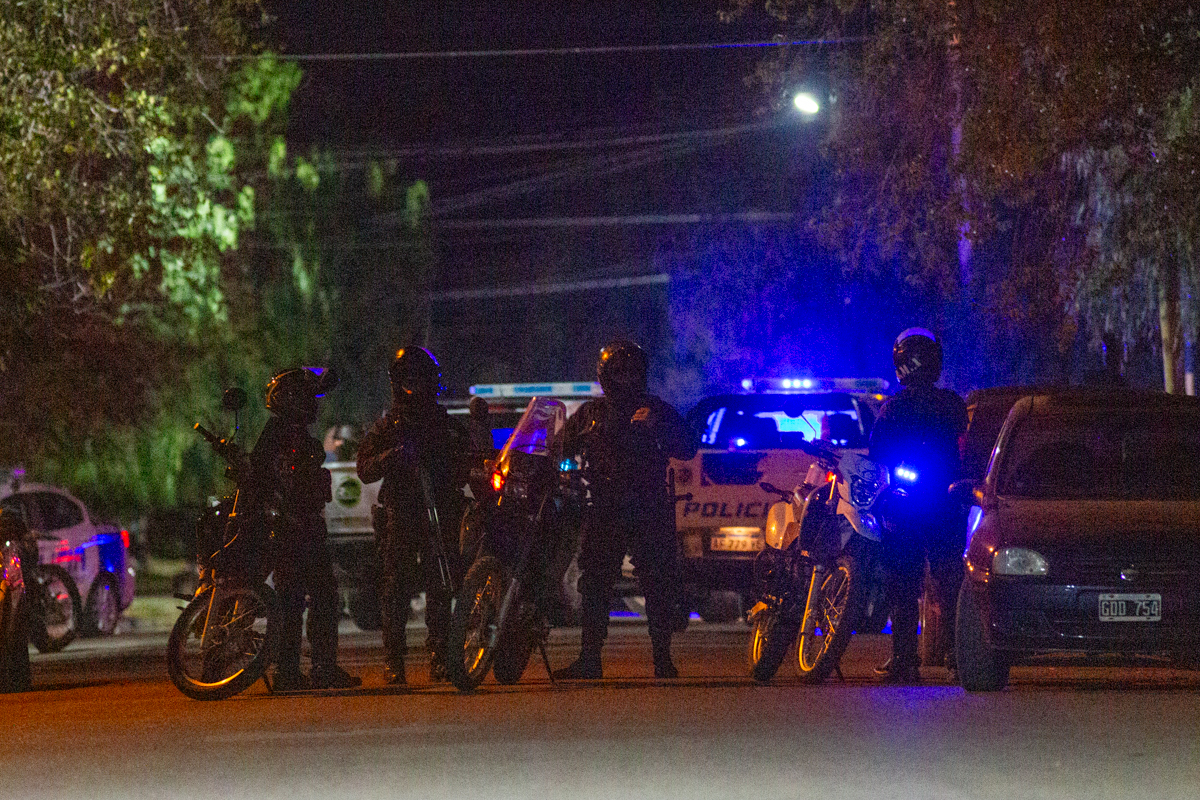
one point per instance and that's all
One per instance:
(625, 439)
(920, 427)
(422, 455)
(286, 464)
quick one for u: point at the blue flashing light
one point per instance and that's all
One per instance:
(856, 385)
(739, 442)
(906, 474)
(568, 465)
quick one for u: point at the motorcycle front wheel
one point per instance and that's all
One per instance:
(771, 637)
(222, 643)
(515, 648)
(840, 606)
(57, 609)
(472, 640)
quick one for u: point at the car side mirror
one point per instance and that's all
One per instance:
(964, 491)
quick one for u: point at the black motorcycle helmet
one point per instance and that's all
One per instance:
(415, 374)
(622, 369)
(918, 357)
(293, 393)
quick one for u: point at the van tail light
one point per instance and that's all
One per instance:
(125, 539)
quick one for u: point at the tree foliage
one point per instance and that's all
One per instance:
(1057, 138)
(130, 142)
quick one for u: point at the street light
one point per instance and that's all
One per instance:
(806, 103)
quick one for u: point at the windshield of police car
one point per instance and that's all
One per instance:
(778, 421)
(1104, 455)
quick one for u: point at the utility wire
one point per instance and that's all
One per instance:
(537, 51)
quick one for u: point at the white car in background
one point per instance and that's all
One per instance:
(95, 555)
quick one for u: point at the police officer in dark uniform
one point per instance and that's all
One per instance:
(920, 427)
(286, 463)
(422, 455)
(625, 439)
(14, 650)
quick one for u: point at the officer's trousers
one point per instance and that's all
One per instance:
(645, 531)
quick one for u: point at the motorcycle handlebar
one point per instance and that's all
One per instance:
(771, 488)
(208, 435)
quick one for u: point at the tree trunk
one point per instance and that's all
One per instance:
(1169, 326)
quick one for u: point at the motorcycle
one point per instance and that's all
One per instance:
(224, 639)
(502, 611)
(816, 578)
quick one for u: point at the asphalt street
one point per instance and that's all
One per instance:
(104, 722)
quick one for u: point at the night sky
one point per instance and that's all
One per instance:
(426, 113)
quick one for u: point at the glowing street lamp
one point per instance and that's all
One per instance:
(806, 103)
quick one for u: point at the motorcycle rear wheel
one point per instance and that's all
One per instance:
(469, 651)
(771, 638)
(841, 606)
(57, 609)
(220, 646)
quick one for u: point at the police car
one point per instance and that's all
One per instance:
(348, 515)
(745, 439)
(95, 555)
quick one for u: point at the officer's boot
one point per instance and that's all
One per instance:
(587, 665)
(664, 667)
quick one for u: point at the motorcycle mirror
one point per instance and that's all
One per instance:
(234, 399)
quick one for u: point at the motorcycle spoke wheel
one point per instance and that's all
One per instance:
(472, 623)
(831, 608)
(221, 646)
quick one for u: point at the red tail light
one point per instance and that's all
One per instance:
(497, 480)
(830, 476)
(125, 539)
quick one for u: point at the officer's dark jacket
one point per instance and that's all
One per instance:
(626, 444)
(409, 436)
(920, 426)
(286, 467)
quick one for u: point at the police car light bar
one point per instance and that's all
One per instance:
(860, 385)
(555, 389)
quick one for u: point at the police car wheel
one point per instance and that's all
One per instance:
(103, 608)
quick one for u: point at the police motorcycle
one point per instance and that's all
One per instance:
(224, 639)
(816, 579)
(501, 613)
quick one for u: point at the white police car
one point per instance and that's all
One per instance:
(746, 439)
(95, 555)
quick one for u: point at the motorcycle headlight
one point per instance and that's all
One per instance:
(1019, 561)
(863, 491)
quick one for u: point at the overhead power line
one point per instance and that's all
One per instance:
(527, 289)
(609, 222)
(541, 51)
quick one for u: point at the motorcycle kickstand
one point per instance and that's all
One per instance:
(546, 661)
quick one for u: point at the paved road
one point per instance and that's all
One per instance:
(104, 723)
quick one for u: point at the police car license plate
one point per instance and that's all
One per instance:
(736, 540)
(1130, 607)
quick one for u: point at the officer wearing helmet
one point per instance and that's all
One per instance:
(920, 427)
(625, 439)
(422, 455)
(286, 463)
